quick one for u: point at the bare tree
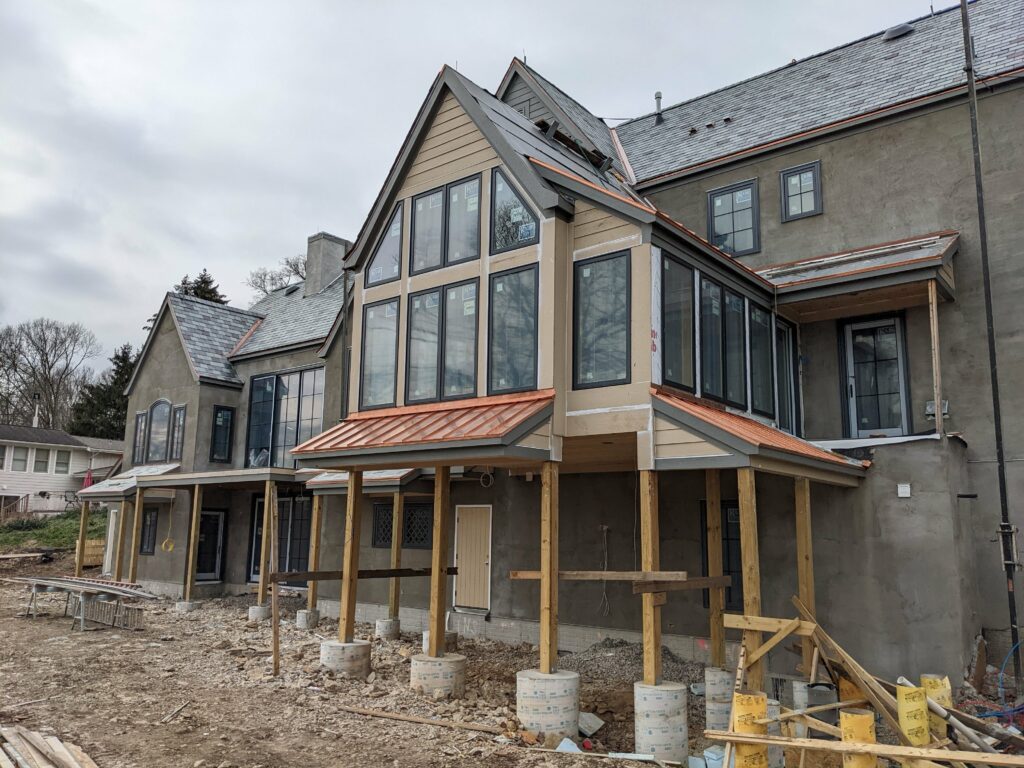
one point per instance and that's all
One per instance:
(265, 281)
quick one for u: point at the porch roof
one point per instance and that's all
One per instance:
(336, 481)
(123, 486)
(253, 476)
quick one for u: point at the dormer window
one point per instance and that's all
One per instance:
(513, 224)
(446, 226)
(387, 259)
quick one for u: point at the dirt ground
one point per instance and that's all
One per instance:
(107, 691)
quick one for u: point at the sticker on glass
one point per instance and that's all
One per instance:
(527, 230)
(435, 200)
(499, 287)
(469, 291)
(469, 306)
(390, 310)
(431, 301)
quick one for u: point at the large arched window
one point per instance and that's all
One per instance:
(159, 431)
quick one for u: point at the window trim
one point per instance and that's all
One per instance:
(367, 283)
(445, 190)
(695, 334)
(149, 429)
(231, 433)
(819, 207)
(535, 267)
(362, 352)
(576, 384)
(495, 171)
(439, 290)
(755, 212)
(723, 398)
(751, 306)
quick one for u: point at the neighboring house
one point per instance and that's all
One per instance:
(41, 470)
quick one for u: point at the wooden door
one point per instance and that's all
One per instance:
(473, 557)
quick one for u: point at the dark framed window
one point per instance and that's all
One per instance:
(261, 421)
(446, 225)
(417, 526)
(512, 331)
(462, 236)
(601, 321)
(800, 190)
(158, 430)
(422, 346)
(177, 432)
(285, 409)
(513, 224)
(386, 263)
(732, 563)
(677, 324)
(458, 372)
(441, 343)
(222, 433)
(147, 539)
(379, 377)
(139, 441)
(762, 362)
(723, 360)
(427, 231)
(41, 462)
(786, 376)
(734, 218)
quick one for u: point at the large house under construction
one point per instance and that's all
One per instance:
(649, 381)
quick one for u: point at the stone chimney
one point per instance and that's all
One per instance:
(324, 256)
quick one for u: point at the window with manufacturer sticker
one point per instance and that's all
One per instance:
(512, 343)
(513, 224)
(601, 321)
(380, 350)
(387, 258)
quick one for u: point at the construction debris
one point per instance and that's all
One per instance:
(31, 749)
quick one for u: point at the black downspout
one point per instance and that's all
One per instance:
(1006, 530)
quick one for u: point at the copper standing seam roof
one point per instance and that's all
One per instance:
(477, 419)
(752, 431)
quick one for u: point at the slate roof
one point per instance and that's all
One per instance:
(19, 434)
(842, 83)
(290, 319)
(209, 331)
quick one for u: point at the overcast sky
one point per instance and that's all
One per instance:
(140, 141)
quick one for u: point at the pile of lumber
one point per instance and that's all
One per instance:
(22, 748)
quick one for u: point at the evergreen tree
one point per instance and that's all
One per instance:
(203, 287)
(101, 409)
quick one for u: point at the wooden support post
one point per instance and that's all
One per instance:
(269, 498)
(122, 529)
(804, 560)
(83, 528)
(933, 322)
(716, 597)
(133, 556)
(275, 608)
(549, 567)
(315, 527)
(438, 562)
(751, 570)
(350, 556)
(193, 541)
(650, 556)
(395, 585)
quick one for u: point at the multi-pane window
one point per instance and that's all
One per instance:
(762, 369)
(513, 224)
(723, 344)
(177, 432)
(677, 312)
(61, 465)
(261, 420)
(19, 459)
(785, 363)
(422, 353)
(417, 525)
(512, 342)
(446, 225)
(42, 461)
(463, 236)
(380, 354)
(601, 321)
(801, 191)
(441, 354)
(147, 541)
(139, 443)
(3, 457)
(427, 230)
(386, 262)
(222, 432)
(159, 429)
(733, 218)
(458, 376)
(876, 374)
(284, 410)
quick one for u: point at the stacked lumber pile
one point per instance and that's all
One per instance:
(931, 735)
(22, 748)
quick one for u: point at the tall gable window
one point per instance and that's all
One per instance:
(159, 430)
(513, 224)
(441, 356)
(222, 431)
(601, 321)
(677, 314)
(427, 231)
(446, 225)
(422, 355)
(734, 218)
(380, 354)
(512, 342)
(386, 262)
(723, 344)
(801, 191)
(762, 369)
(785, 363)
(460, 312)
(284, 410)
(139, 441)
(177, 432)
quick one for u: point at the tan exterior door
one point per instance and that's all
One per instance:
(473, 557)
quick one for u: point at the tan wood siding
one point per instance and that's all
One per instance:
(673, 442)
(522, 97)
(473, 556)
(594, 226)
(540, 438)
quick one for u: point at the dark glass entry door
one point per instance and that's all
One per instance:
(211, 545)
(293, 532)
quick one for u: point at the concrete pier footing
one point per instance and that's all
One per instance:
(660, 720)
(259, 612)
(186, 606)
(387, 629)
(549, 703)
(451, 641)
(348, 660)
(439, 677)
(307, 618)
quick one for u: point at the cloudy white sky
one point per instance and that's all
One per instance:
(140, 141)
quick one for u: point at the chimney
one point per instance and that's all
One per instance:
(657, 107)
(324, 256)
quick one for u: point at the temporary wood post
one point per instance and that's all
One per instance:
(649, 561)
(315, 527)
(275, 612)
(268, 499)
(933, 322)
(395, 585)
(716, 597)
(193, 541)
(83, 527)
(549, 567)
(350, 556)
(804, 560)
(438, 562)
(133, 556)
(122, 528)
(751, 569)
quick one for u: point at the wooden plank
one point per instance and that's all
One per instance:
(58, 747)
(812, 710)
(650, 556)
(192, 553)
(39, 744)
(751, 564)
(395, 585)
(765, 624)
(275, 608)
(660, 598)
(804, 558)
(350, 556)
(643, 576)
(933, 324)
(133, 555)
(5, 761)
(316, 525)
(716, 597)
(363, 573)
(422, 720)
(119, 541)
(438, 562)
(701, 582)
(83, 527)
(774, 640)
(268, 499)
(79, 754)
(549, 567)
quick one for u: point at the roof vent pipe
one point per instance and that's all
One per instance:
(657, 107)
